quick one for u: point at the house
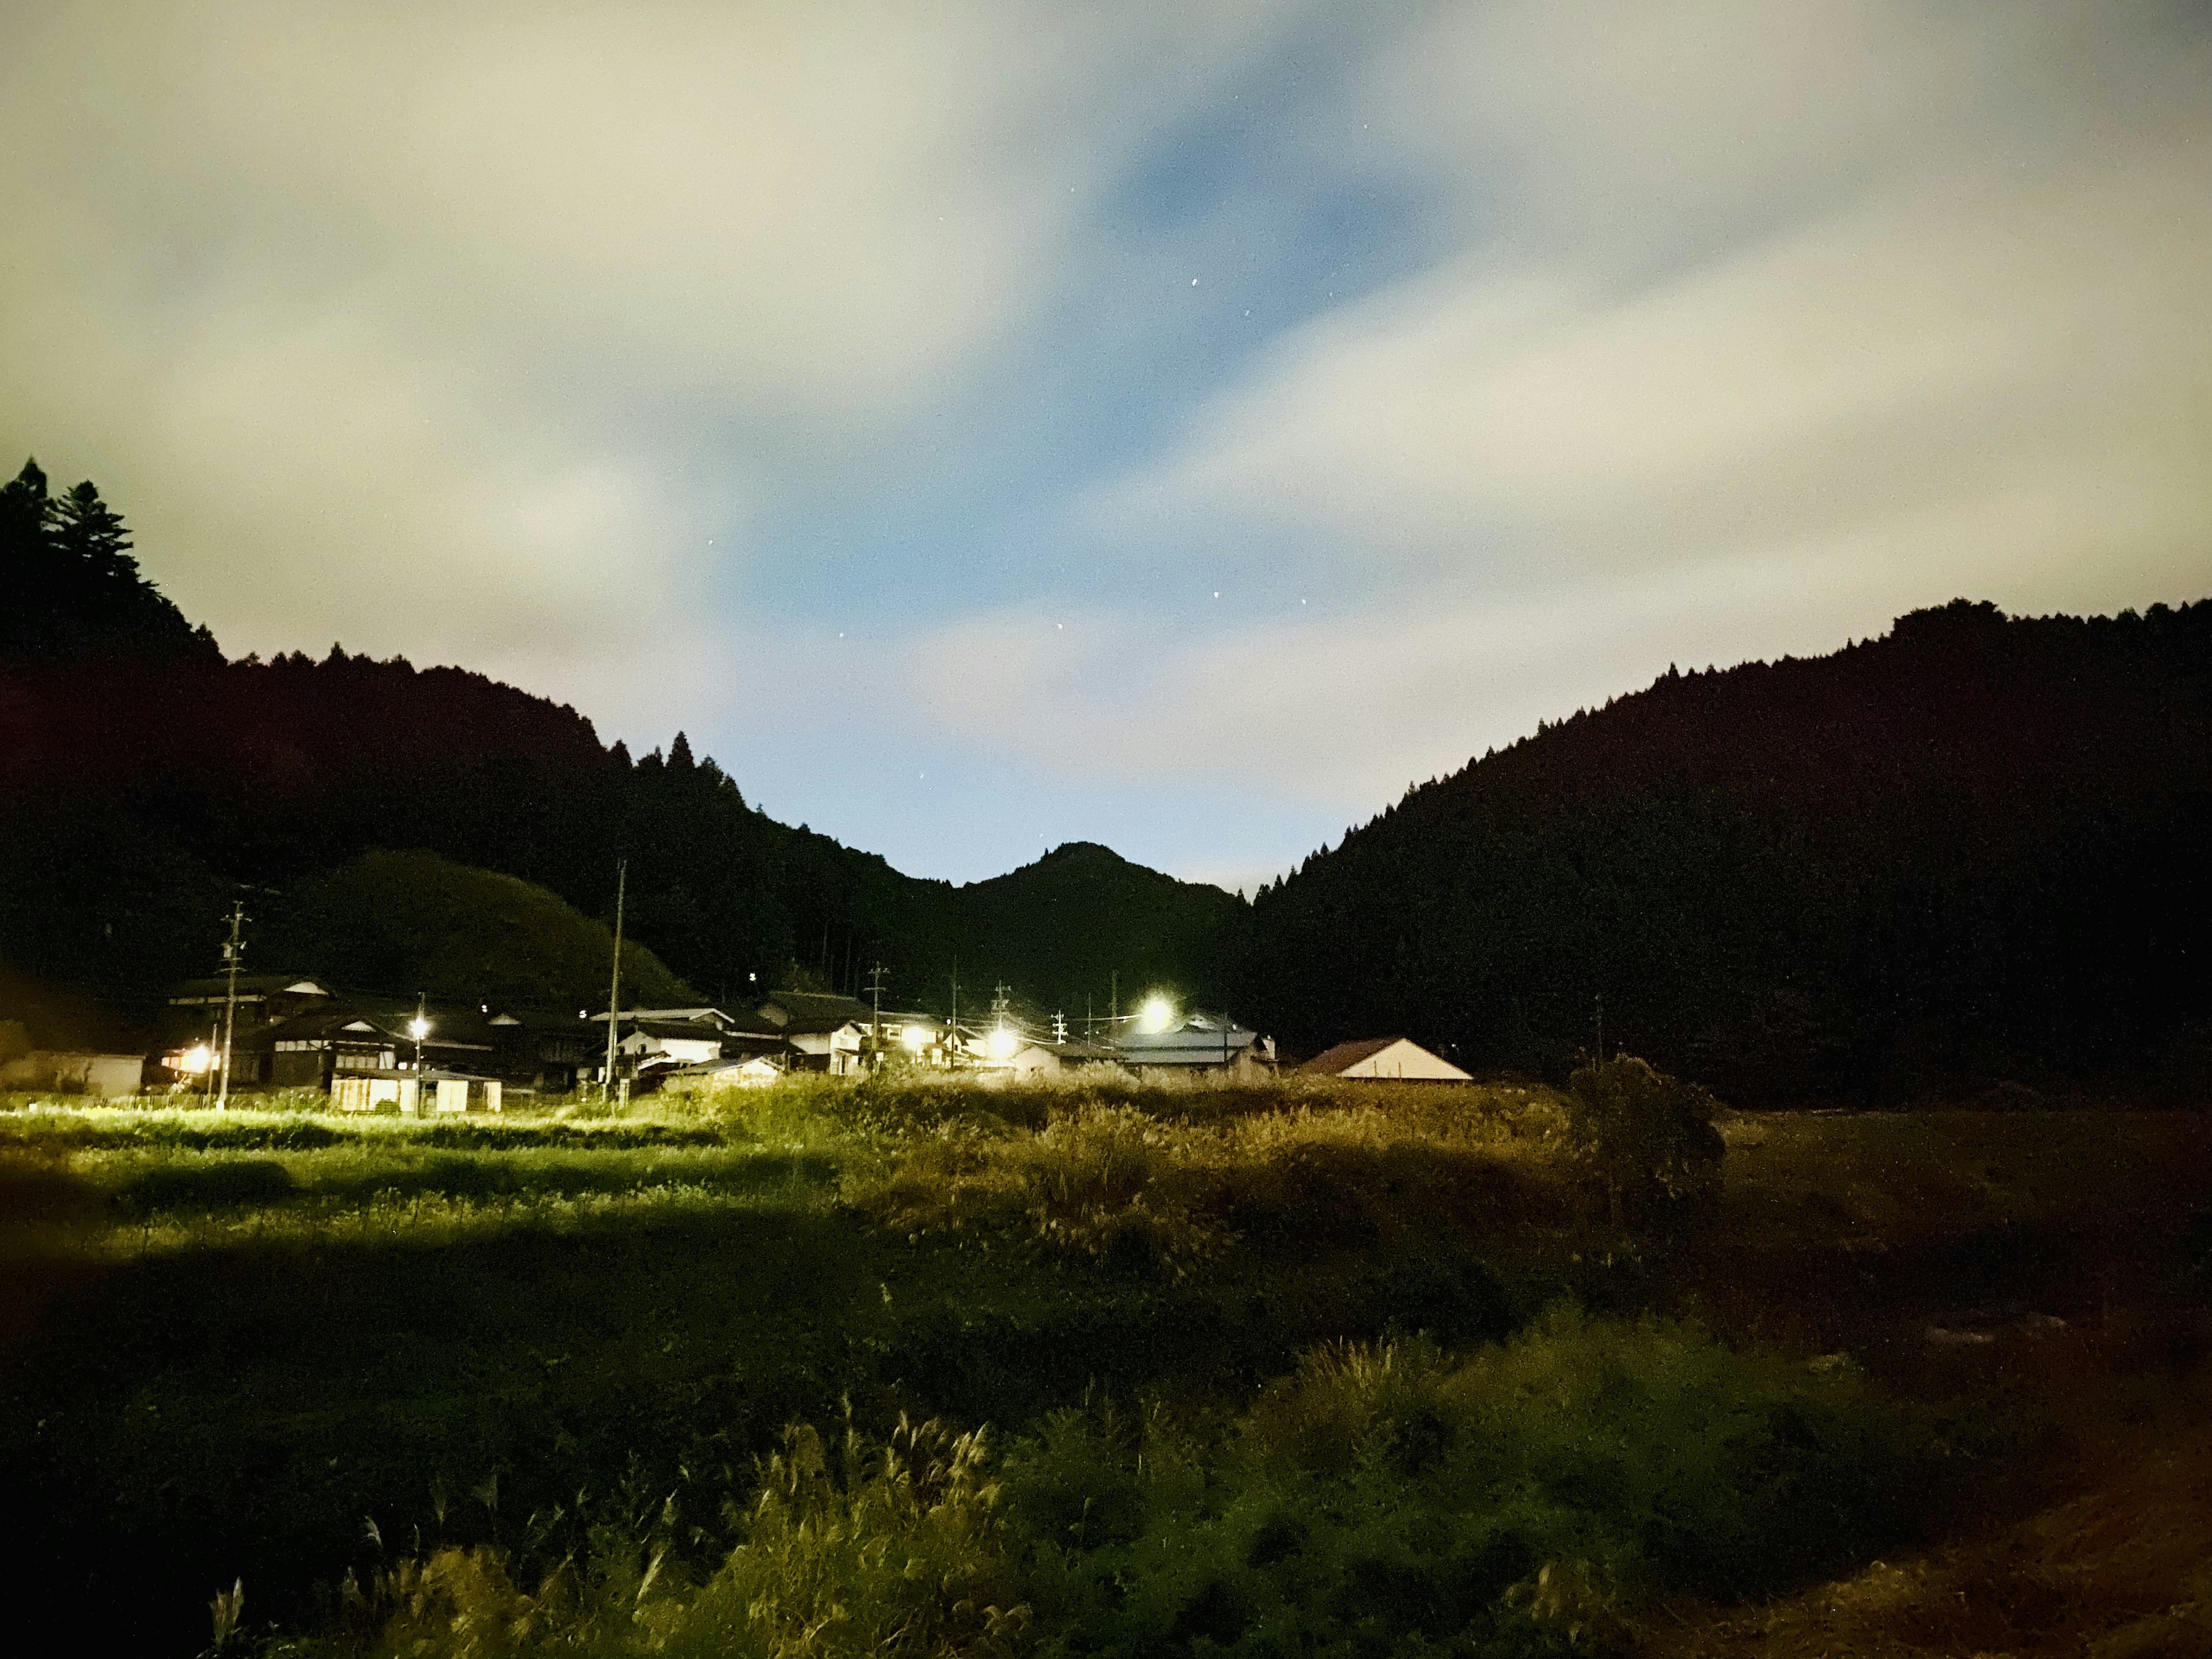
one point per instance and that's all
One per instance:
(840, 1035)
(368, 1035)
(262, 998)
(1007, 1053)
(543, 1052)
(689, 1036)
(668, 1041)
(292, 1032)
(783, 1007)
(256, 1002)
(1198, 1045)
(826, 1043)
(1400, 1059)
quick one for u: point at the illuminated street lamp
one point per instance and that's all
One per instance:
(1157, 1014)
(1000, 1043)
(418, 1027)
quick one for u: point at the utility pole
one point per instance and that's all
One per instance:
(1114, 1009)
(614, 981)
(876, 1025)
(233, 948)
(1601, 1028)
(1058, 1028)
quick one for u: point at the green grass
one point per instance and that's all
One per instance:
(451, 1362)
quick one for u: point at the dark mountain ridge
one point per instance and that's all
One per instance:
(145, 780)
(1974, 848)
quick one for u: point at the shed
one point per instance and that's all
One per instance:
(74, 1071)
(753, 1072)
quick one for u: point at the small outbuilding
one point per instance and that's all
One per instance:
(1398, 1059)
(73, 1071)
(749, 1072)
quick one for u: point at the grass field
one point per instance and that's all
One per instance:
(937, 1369)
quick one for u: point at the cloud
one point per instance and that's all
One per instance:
(460, 331)
(1752, 335)
(635, 355)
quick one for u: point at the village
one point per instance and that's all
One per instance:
(240, 1037)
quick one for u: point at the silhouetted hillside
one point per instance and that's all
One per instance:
(1976, 846)
(139, 792)
(1060, 929)
(415, 919)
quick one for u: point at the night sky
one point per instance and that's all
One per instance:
(1179, 426)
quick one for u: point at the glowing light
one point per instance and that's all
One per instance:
(1156, 1014)
(1000, 1043)
(913, 1039)
(198, 1057)
(418, 1027)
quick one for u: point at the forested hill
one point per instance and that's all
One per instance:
(144, 780)
(1975, 849)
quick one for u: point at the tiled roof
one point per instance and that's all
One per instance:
(249, 985)
(1194, 1042)
(813, 1025)
(816, 1005)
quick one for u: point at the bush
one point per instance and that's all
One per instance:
(1527, 1499)
(1524, 1499)
(1648, 1138)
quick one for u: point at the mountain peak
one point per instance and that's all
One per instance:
(1083, 852)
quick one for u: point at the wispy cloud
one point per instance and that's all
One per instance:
(1752, 335)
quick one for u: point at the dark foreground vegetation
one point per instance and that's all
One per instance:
(930, 1369)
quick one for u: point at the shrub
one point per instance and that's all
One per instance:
(1648, 1138)
(1525, 1500)
(1528, 1498)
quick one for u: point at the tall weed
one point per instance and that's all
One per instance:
(1529, 1498)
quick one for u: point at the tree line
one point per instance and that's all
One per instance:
(1970, 851)
(145, 780)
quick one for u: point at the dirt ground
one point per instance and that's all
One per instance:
(2053, 1270)
(2120, 1572)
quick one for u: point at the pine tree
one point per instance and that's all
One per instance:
(26, 567)
(92, 535)
(67, 568)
